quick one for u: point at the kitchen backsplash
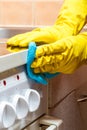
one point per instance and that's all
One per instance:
(29, 12)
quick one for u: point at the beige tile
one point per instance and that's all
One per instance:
(15, 0)
(47, 0)
(46, 12)
(16, 13)
(0, 13)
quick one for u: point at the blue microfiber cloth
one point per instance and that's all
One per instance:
(40, 77)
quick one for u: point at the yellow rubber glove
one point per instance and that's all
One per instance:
(65, 55)
(70, 21)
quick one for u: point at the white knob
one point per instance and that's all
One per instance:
(33, 99)
(21, 106)
(7, 115)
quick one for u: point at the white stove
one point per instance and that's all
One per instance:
(23, 103)
(21, 100)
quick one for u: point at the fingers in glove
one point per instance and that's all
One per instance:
(53, 63)
(15, 49)
(37, 35)
(49, 68)
(15, 40)
(54, 48)
(43, 37)
(62, 67)
(45, 60)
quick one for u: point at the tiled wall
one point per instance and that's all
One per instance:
(29, 12)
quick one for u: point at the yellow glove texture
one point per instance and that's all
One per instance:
(71, 19)
(65, 55)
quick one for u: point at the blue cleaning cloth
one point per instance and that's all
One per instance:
(40, 77)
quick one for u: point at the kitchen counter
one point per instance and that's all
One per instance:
(11, 60)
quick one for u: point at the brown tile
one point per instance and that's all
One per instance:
(46, 12)
(16, 13)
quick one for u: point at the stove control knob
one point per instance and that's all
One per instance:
(33, 99)
(7, 114)
(21, 106)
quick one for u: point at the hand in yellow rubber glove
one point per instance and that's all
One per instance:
(64, 56)
(70, 21)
